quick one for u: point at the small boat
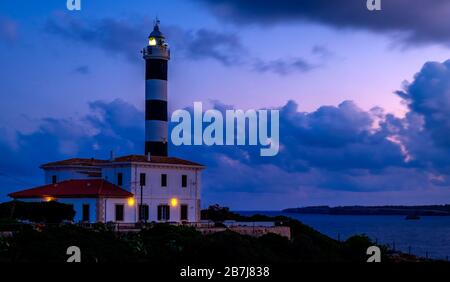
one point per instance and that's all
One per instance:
(412, 217)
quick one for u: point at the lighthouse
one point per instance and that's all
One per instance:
(132, 188)
(156, 55)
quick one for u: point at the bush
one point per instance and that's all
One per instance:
(218, 213)
(48, 212)
(50, 245)
(168, 244)
(355, 247)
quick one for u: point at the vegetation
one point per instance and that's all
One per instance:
(43, 212)
(217, 213)
(160, 243)
(174, 244)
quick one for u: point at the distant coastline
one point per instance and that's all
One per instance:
(430, 210)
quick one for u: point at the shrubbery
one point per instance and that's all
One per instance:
(167, 244)
(48, 212)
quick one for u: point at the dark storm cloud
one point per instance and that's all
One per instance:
(425, 130)
(113, 36)
(332, 137)
(335, 148)
(419, 21)
(126, 39)
(429, 96)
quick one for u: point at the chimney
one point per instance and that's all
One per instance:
(149, 157)
(111, 156)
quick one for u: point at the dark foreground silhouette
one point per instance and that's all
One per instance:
(178, 245)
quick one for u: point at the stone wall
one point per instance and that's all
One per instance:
(255, 231)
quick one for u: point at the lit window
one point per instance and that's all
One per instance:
(152, 41)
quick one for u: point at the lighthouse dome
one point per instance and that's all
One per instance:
(156, 32)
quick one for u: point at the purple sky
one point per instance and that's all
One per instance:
(365, 112)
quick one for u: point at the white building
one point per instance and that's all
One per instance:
(149, 187)
(104, 191)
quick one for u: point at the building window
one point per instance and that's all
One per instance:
(143, 212)
(142, 179)
(184, 180)
(54, 179)
(184, 212)
(163, 212)
(119, 212)
(119, 179)
(163, 180)
(86, 213)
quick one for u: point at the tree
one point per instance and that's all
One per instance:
(41, 212)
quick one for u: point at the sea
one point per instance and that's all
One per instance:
(427, 237)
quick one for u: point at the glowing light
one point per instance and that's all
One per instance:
(49, 199)
(131, 202)
(174, 202)
(152, 41)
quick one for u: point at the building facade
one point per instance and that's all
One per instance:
(129, 189)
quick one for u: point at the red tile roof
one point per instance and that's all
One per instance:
(75, 162)
(155, 159)
(80, 188)
(123, 159)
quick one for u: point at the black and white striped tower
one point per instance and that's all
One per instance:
(156, 55)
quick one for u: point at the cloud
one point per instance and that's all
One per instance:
(424, 130)
(111, 35)
(429, 96)
(82, 69)
(208, 44)
(322, 51)
(124, 38)
(340, 149)
(345, 148)
(8, 30)
(110, 126)
(333, 148)
(413, 21)
(283, 67)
